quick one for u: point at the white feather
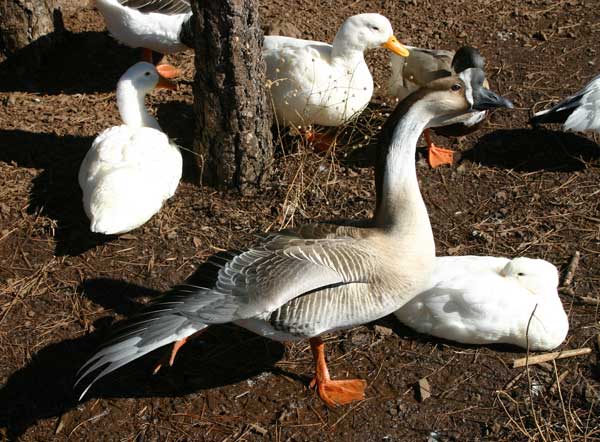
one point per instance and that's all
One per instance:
(481, 300)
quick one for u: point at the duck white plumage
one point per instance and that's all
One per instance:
(163, 26)
(484, 300)
(578, 113)
(322, 277)
(312, 82)
(131, 169)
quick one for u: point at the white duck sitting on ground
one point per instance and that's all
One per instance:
(160, 26)
(578, 113)
(322, 277)
(485, 300)
(312, 82)
(131, 169)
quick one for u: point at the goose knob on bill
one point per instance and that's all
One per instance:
(296, 285)
(131, 169)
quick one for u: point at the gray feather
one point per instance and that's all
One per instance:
(167, 7)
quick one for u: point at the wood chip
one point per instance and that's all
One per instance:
(532, 360)
(383, 331)
(260, 430)
(571, 269)
(423, 389)
(197, 242)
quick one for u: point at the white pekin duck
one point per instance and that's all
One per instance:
(486, 300)
(161, 26)
(312, 82)
(425, 65)
(322, 277)
(131, 169)
(578, 113)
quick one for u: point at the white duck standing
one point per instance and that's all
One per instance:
(162, 26)
(483, 300)
(579, 113)
(312, 82)
(131, 169)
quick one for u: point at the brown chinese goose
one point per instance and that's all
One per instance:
(322, 277)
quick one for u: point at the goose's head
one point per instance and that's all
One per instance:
(536, 275)
(467, 57)
(451, 96)
(145, 77)
(368, 31)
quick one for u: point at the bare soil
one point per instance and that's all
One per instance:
(516, 192)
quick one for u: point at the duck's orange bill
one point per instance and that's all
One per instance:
(164, 83)
(168, 71)
(396, 47)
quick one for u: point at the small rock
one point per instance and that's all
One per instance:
(423, 389)
(172, 234)
(382, 331)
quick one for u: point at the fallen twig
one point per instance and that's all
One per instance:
(532, 360)
(571, 269)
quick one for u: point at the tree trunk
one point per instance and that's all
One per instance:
(23, 22)
(233, 114)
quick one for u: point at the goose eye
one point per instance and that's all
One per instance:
(520, 274)
(147, 74)
(456, 87)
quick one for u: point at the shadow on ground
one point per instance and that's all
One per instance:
(177, 120)
(44, 387)
(532, 150)
(55, 191)
(83, 62)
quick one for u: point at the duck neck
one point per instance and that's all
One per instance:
(343, 48)
(130, 102)
(399, 204)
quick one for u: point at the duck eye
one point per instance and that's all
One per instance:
(520, 274)
(375, 28)
(456, 87)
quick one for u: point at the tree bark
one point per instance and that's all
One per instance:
(233, 114)
(23, 22)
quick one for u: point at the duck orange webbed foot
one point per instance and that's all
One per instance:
(333, 393)
(437, 156)
(319, 142)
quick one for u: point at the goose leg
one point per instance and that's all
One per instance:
(437, 156)
(176, 346)
(333, 392)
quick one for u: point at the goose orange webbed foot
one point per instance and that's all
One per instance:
(340, 392)
(170, 360)
(333, 393)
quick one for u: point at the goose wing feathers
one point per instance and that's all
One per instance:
(167, 7)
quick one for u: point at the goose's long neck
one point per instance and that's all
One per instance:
(399, 205)
(130, 102)
(343, 49)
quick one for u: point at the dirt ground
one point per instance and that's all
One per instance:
(516, 192)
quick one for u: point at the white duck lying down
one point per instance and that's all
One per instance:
(484, 300)
(162, 26)
(319, 83)
(320, 278)
(578, 113)
(131, 169)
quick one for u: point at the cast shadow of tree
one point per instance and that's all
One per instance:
(55, 192)
(531, 150)
(84, 62)
(44, 387)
